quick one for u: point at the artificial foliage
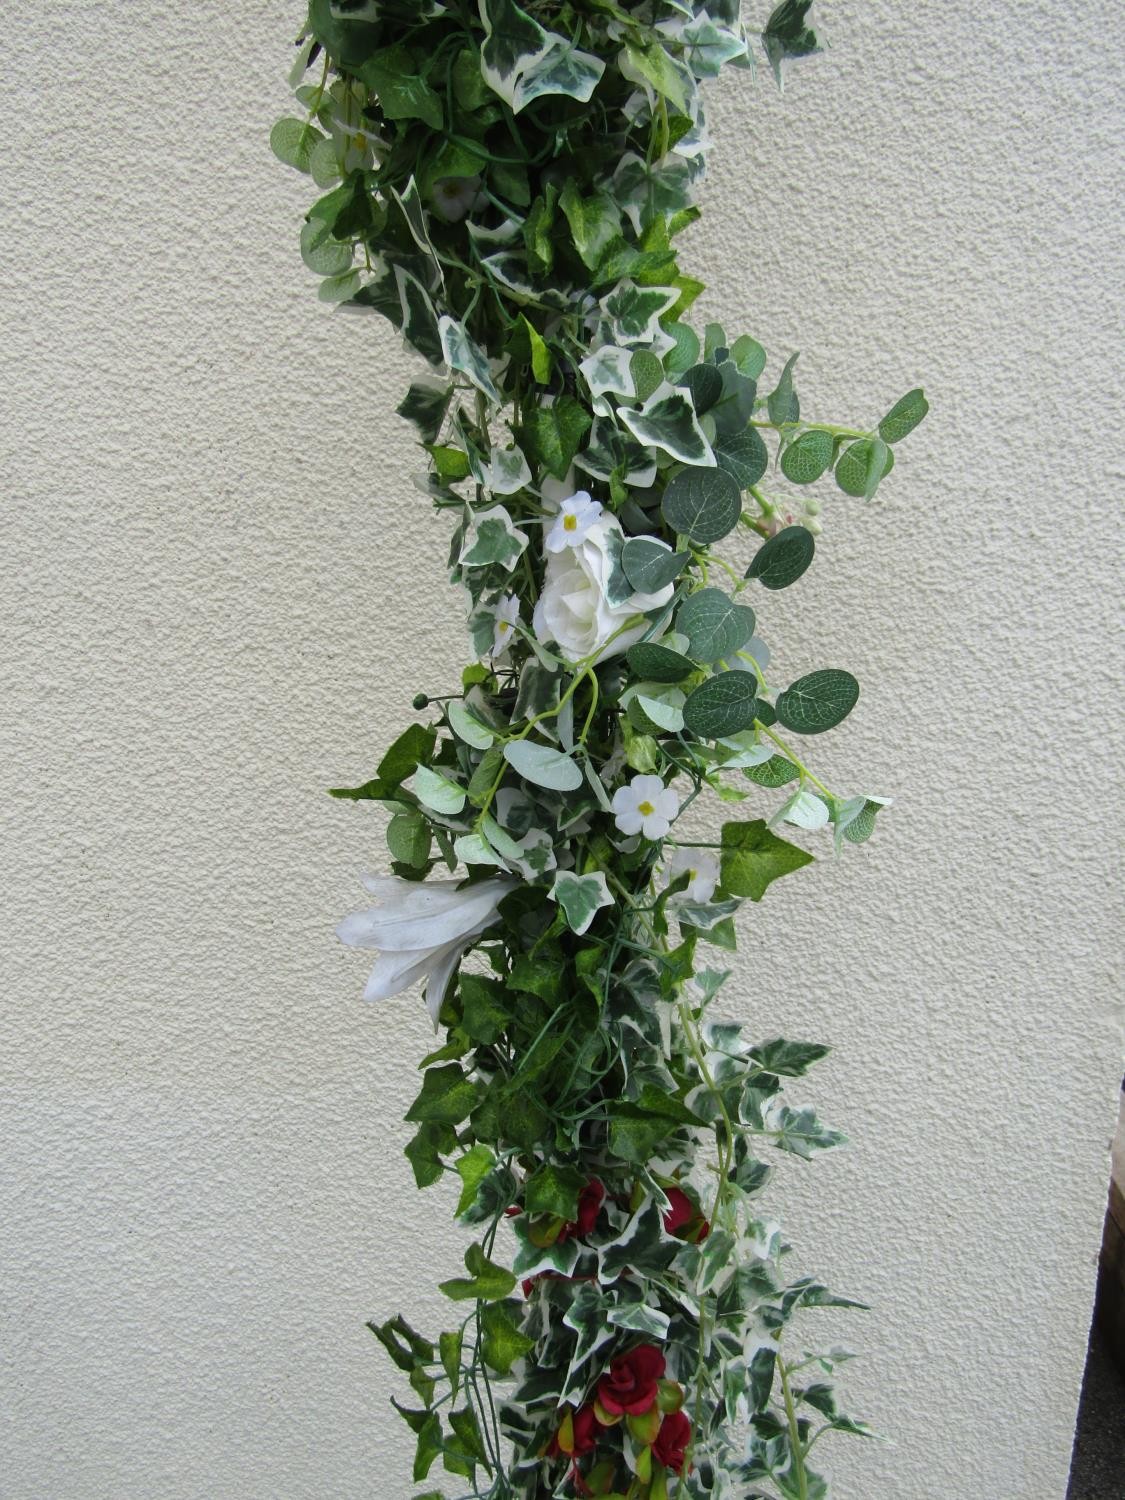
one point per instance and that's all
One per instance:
(626, 490)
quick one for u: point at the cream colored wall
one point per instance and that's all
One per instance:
(220, 591)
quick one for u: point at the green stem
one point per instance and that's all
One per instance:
(794, 1431)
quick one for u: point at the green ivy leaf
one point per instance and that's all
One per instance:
(703, 504)
(554, 1190)
(413, 748)
(790, 1059)
(502, 1342)
(818, 702)
(485, 1011)
(403, 95)
(783, 558)
(425, 1150)
(486, 1282)
(472, 1168)
(447, 1097)
(553, 434)
(409, 839)
(725, 704)
(753, 857)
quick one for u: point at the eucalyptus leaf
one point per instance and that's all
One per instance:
(703, 504)
(818, 702)
(543, 765)
(783, 558)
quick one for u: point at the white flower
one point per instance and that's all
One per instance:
(454, 196)
(573, 610)
(572, 524)
(645, 806)
(507, 610)
(423, 929)
(703, 868)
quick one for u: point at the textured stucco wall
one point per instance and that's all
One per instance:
(206, 518)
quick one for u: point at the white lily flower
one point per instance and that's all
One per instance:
(703, 869)
(422, 929)
(507, 610)
(645, 806)
(576, 515)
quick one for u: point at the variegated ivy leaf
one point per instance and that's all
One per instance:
(611, 451)
(533, 1260)
(668, 421)
(594, 222)
(563, 70)
(653, 68)
(800, 1131)
(634, 313)
(513, 43)
(492, 538)
(507, 473)
(410, 202)
(420, 328)
(608, 371)
(521, 62)
(638, 1317)
(643, 1247)
(581, 898)
(708, 46)
(645, 193)
(533, 856)
(462, 354)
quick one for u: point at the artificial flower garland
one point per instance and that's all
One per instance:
(504, 183)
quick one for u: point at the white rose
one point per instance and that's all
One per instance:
(573, 610)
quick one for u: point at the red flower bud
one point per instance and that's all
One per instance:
(577, 1434)
(670, 1448)
(590, 1202)
(684, 1215)
(629, 1386)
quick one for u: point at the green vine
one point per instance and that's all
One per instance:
(505, 184)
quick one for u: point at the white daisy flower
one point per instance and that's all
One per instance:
(576, 515)
(455, 196)
(645, 806)
(703, 868)
(507, 611)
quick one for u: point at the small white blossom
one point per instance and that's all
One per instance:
(507, 609)
(455, 196)
(576, 515)
(645, 806)
(703, 868)
(422, 929)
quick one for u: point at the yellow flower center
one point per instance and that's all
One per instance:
(504, 625)
(645, 809)
(361, 142)
(570, 523)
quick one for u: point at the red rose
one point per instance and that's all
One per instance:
(684, 1214)
(589, 1207)
(672, 1440)
(629, 1387)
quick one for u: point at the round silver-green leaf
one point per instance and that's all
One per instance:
(783, 559)
(715, 626)
(654, 663)
(703, 504)
(722, 705)
(807, 457)
(818, 702)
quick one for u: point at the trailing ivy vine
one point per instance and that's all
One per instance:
(505, 183)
